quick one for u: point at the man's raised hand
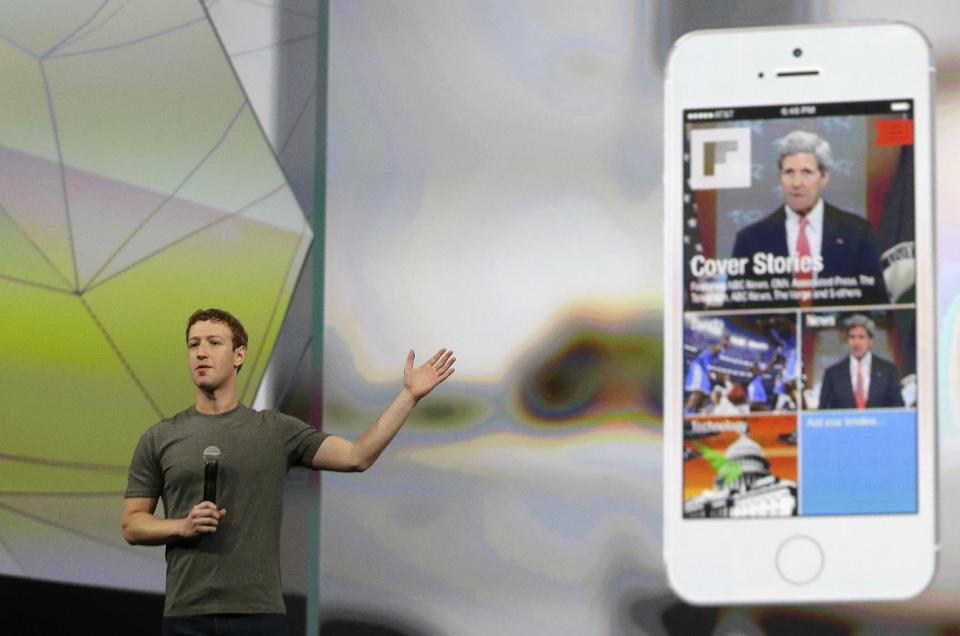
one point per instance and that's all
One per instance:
(420, 380)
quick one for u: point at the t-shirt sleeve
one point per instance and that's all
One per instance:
(300, 440)
(145, 478)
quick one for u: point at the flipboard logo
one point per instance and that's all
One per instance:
(720, 158)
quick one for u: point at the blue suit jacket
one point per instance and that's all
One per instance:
(836, 390)
(848, 249)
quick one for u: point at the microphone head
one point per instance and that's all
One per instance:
(211, 454)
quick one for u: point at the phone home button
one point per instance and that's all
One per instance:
(799, 560)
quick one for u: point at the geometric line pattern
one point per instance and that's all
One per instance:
(165, 201)
(137, 186)
(66, 528)
(290, 40)
(66, 464)
(290, 48)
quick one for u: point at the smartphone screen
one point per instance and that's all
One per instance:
(799, 316)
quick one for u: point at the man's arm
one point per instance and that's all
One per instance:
(142, 527)
(339, 454)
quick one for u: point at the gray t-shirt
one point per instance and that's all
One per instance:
(237, 568)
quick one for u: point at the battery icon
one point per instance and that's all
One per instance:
(899, 106)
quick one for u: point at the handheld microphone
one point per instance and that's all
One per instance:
(211, 459)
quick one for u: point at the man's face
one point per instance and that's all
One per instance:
(858, 341)
(802, 181)
(213, 360)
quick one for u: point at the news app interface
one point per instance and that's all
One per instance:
(799, 339)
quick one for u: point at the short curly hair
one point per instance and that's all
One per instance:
(219, 315)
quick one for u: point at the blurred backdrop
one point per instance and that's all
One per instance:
(478, 175)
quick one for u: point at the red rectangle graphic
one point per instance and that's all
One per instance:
(895, 132)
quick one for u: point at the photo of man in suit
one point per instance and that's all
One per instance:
(807, 226)
(861, 379)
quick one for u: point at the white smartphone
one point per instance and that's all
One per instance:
(800, 420)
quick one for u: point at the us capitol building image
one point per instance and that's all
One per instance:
(756, 492)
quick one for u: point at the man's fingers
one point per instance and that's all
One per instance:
(206, 523)
(204, 518)
(438, 364)
(446, 374)
(410, 358)
(436, 356)
(206, 512)
(447, 364)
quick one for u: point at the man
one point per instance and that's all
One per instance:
(862, 379)
(756, 391)
(697, 383)
(223, 571)
(785, 385)
(813, 233)
(786, 382)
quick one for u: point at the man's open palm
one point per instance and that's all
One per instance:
(421, 380)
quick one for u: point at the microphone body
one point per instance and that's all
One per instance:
(211, 467)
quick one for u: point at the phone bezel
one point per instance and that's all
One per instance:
(738, 68)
